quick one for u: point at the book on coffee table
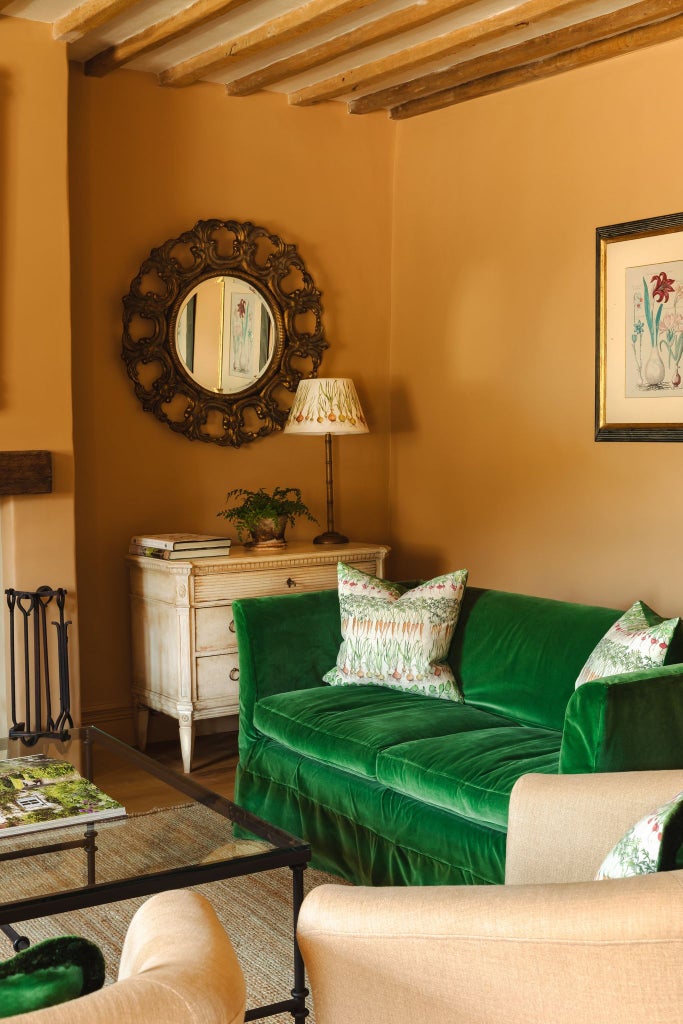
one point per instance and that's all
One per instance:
(40, 792)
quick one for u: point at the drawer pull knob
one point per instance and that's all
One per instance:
(290, 582)
(234, 674)
(231, 627)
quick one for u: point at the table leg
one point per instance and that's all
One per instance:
(299, 992)
(90, 851)
(186, 728)
(18, 941)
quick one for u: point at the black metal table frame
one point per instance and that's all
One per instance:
(295, 857)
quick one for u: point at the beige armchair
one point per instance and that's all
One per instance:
(551, 946)
(177, 967)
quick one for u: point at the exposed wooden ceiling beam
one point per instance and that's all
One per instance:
(159, 34)
(88, 16)
(291, 25)
(580, 34)
(519, 17)
(624, 43)
(372, 32)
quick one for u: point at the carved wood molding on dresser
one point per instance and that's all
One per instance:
(185, 658)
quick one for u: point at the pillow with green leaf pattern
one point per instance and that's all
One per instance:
(637, 641)
(652, 844)
(396, 637)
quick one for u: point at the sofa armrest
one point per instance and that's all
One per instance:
(627, 722)
(583, 953)
(287, 642)
(177, 964)
(561, 827)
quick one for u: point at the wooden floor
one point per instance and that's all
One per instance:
(213, 763)
(213, 766)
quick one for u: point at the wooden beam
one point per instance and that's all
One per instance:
(568, 38)
(606, 49)
(88, 16)
(291, 25)
(5, 3)
(519, 17)
(159, 34)
(25, 472)
(372, 32)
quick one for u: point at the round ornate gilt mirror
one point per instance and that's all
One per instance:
(219, 325)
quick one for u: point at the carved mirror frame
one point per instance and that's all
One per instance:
(161, 380)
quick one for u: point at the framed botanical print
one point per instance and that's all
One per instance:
(639, 330)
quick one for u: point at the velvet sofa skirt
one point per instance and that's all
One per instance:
(363, 831)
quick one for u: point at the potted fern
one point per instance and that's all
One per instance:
(261, 517)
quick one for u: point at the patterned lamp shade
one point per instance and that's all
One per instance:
(326, 405)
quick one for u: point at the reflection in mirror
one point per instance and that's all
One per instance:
(225, 334)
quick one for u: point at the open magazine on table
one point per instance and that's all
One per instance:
(39, 792)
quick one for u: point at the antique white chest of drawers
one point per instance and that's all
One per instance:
(185, 660)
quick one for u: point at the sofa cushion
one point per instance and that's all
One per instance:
(471, 773)
(519, 656)
(637, 641)
(652, 844)
(349, 727)
(396, 639)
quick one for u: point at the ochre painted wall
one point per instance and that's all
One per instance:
(146, 164)
(493, 462)
(38, 545)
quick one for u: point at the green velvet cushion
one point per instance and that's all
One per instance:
(350, 726)
(48, 973)
(363, 831)
(470, 773)
(519, 656)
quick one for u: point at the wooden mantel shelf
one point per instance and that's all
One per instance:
(25, 472)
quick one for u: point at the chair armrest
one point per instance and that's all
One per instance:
(287, 642)
(585, 953)
(561, 827)
(177, 964)
(627, 722)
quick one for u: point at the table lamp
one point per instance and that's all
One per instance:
(327, 405)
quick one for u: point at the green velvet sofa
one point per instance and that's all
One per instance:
(398, 788)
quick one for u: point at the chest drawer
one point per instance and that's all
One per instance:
(293, 579)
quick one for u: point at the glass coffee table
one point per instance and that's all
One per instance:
(203, 837)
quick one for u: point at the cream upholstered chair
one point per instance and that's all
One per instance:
(551, 946)
(177, 967)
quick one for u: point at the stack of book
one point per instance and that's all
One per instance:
(172, 546)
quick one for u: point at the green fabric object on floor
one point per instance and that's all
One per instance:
(51, 972)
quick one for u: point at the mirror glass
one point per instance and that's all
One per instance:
(225, 334)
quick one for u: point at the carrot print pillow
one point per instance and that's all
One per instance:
(651, 845)
(395, 637)
(639, 640)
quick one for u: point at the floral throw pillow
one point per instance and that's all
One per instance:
(639, 640)
(651, 845)
(395, 637)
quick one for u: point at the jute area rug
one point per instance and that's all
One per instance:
(256, 910)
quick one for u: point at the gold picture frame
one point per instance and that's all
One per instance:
(639, 330)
